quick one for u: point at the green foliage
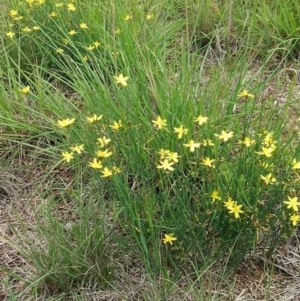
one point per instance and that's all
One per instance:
(173, 145)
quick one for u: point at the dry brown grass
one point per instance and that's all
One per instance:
(256, 278)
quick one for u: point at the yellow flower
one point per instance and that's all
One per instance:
(103, 154)
(149, 16)
(192, 145)
(229, 204)
(173, 156)
(97, 44)
(65, 122)
(72, 32)
(106, 173)
(127, 17)
(207, 142)
(247, 141)
(245, 94)
(296, 165)
(60, 4)
(267, 151)
(90, 47)
(35, 28)
(25, 90)
(292, 203)
(103, 141)
(96, 164)
(121, 79)
(169, 238)
(77, 148)
(159, 123)
(236, 210)
(13, 13)
(295, 218)
(269, 140)
(94, 118)
(10, 34)
(116, 170)
(27, 29)
(180, 131)
(201, 120)
(83, 26)
(18, 18)
(166, 165)
(215, 196)
(269, 179)
(67, 156)
(59, 50)
(164, 153)
(117, 125)
(208, 162)
(53, 14)
(71, 7)
(225, 136)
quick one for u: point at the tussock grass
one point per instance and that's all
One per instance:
(158, 141)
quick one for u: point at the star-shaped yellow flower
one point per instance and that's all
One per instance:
(26, 29)
(71, 7)
(97, 44)
(166, 165)
(53, 14)
(96, 164)
(25, 90)
(207, 142)
(173, 156)
(201, 119)
(13, 13)
(247, 141)
(169, 238)
(106, 173)
(159, 123)
(192, 145)
(103, 141)
(245, 94)
(215, 196)
(180, 131)
(267, 151)
(225, 136)
(292, 203)
(121, 79)
(10, 34)
(103, 154)
(127, 17)
(83, 26)
(236, 210)
(229, 204)
(269, 179)
(94, 118)
(208, 162)
(296, 165)
(67, 156)
(72, 32)
(295, 218)
(116, 125)
(77, 148)
(65, 122)
(149, 16)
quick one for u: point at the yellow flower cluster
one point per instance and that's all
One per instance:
(167, 159)
(102, 151)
